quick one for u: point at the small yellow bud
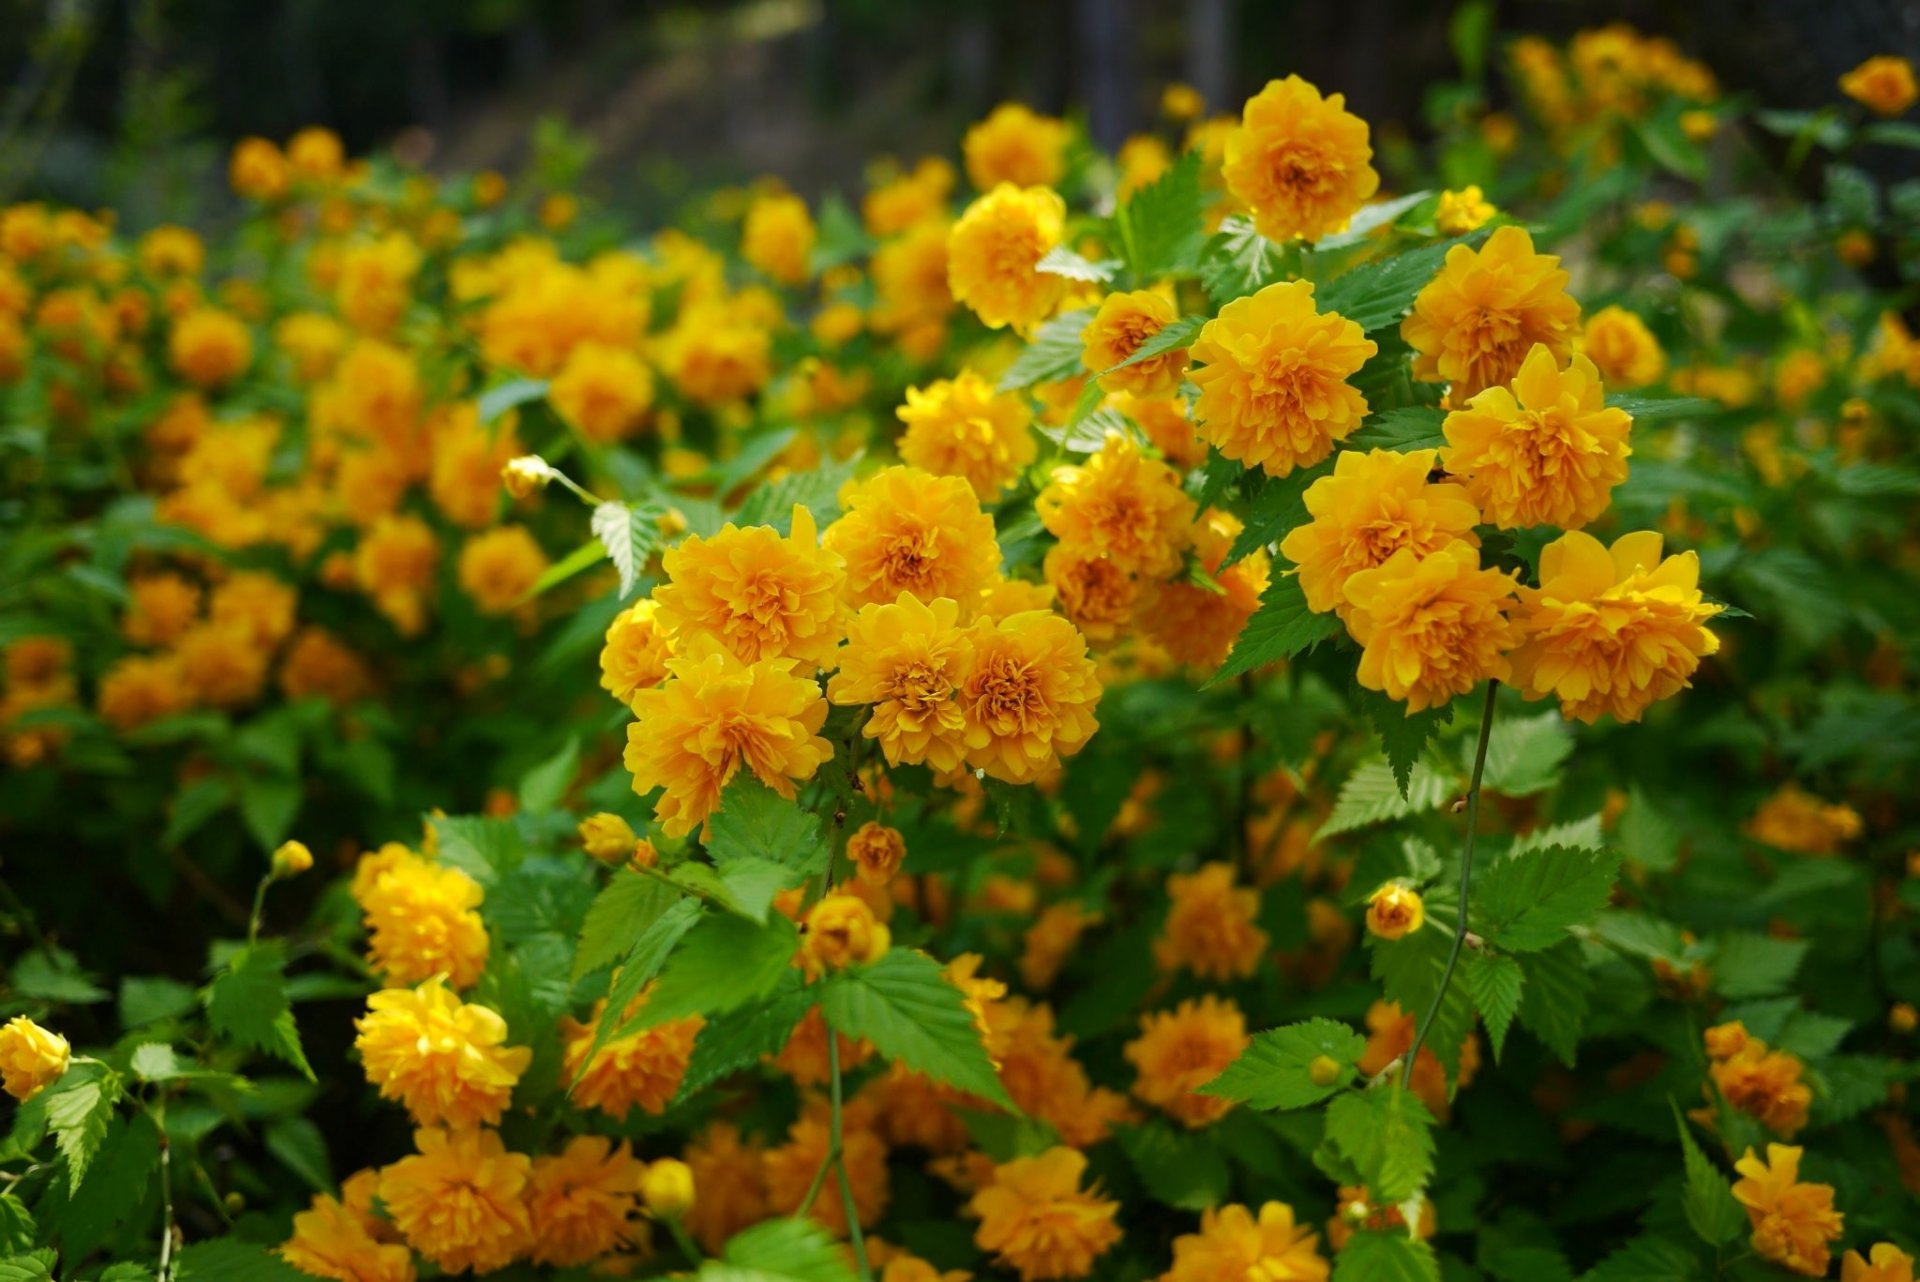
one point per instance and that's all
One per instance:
(607, 837)
(523, 475)
(672, 521)
(291, 859)
(31, 1058)
(1903, 1018)
(1324, 1070)
(667, 1188)
(1395, 911)
(644, 855)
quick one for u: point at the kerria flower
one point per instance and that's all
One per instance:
(1235, 1246)
(994, 252)
(1120, 328)
(778, 237)
(1198, 625)
(1793, 819)
(602, 391)
(877, 852)
(1460, 212)
(1272, 371)
(1299, 162)
(1887, 1263)
(730, 1174)
(1474, 323)
(639, 1069)
(1372, 506)
(1037, 1220)
(635, 655)
(1395, 911)
(1793, 1223)
(1029, 695)
(1121, 503)
(1181, 1050)
(423, 920)
(1094, 591)
(1390, 1037)
(1884, 83)
(1044, 1079)
(760, 595)
(460, 1200)
(906, 660)
(905, 530)
(841, 931)
(962, 427)
(31, 1058)
(1548, 452)
(1764, 1084)
(1431, 627)
(1015, 145)
(444, 1059)
(1611, 630)
(331, 1240)
(582, 1202)
(790, 1168)
(1622, 348)
(714, 715)
(498, 569)
(1211, 927)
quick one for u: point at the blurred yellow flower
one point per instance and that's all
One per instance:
(460, 1200)
(444, 1059)
(994, 251)
(1015, 145)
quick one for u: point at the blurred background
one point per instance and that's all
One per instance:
(133, 103)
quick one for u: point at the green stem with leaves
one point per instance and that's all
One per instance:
(1466, 882)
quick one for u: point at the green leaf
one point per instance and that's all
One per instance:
(1657, 409)
(1645, 835)
(1162, 225)
(1410, 970)
(621, 913)
(1370, 219)
(116, 1183)
(816, 489)
(630, 532)
(1237, 261)
(1282, 627)
(642, 962)
(1183, 1169)
(79, 1109)
(754, 820)
(739, 1038)
(231, 1260)
(54, 975)
(724, 962)
(1524, 756)
(193, 806)
(150, 1000)
(1528, 903)
(543, 787)
(1385, 1257)
(1553, 1005)
(1749, 964)
(36, 1266)
(780, 1250)
(1277, 509)
(752, 883)
(126, 1273)
(1403, 430)
(1372, 795)
(496, 401)
(581, 559)
(1377, 293)
(1275, 1071)
(1708, 1200)
(1494, 981)
(483, 848)
(268, 805)
(299, 1146)
(1061, 261)
(1404, 737)
(1387, 1134)
(912, 1014)
(16, 1225)
(1575, 834)
(1175, 334)
(1649, 1259)
(1088, 434)
(1053, 356)
(247, 1005)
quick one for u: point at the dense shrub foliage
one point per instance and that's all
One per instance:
(1282, 705)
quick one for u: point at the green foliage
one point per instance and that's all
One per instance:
(1707, 1199)
(247, 1005)
(1529, 902)
(1387, 1133)
(1495, 982)
(1054, 354)
(1281, 628)
(911, 1013)
(1179, 1168)
(782, 1250)
(1276, 1071)
(722, 962)
(1386, 1257)
(79, 1112)
(630, 532)
(1373, 794)
(1159, 226)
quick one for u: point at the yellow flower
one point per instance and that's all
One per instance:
(316, 154)
(907, 659)
(141, 688)
(1548, 452)
(1299, 162)
(778, 238)
(1800, 374)
(423, 920)
(1475, 322)
(1764, 1084)
(1623, 349)
(962, 427)
(468, 458)
(1431, 627)
(608, 838)
(1611, 631)
(1050, 941)
(602, 392)
(1196, 625)
(1029, 695)
(258, 170)
(1013, 145)
(499, 568)
(1395, 911)
(375, 281)
(877, 852)
(1233, 1246)
(313, 340)
(641, 1069)
(730, 1183)
(290, 859)
(1181, 1050)
(460, 1200)
(668, 1188)
(1181, 101)
(758, 595)
(1273, 379)
(789, 1171)
(1793, 1223)
(1037, 1221)
(222, 664)
(1210, 928)
(171, 250)
(841, 931)
(1462, 211)
(444, 1059)
(905, 530)
(1123, 504)
(1883, 83)
(394, 565)
(31, 1058)
(909, 199)
(1119, 329)
(993, 253)
(331, 1240)
(714, 715)
(1795, 820)
(1142, 159)
(636, 653)
(1889, 1264)
(161, 608)
(581, 1202)
(1372, 506)
(209, 348)
(1094, 591)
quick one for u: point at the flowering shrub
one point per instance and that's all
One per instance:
(1182, 718)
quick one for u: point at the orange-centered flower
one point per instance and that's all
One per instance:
(1299, 162)
(1431, 627)
(1475, 322)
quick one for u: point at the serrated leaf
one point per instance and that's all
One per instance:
(739, 1038)
(1371, 218)
(754, 820)
(117, 1182)
(1385, 1257)
(1648, 1259)
(1553, 1004)
(299, 1146)
(231, 1260)
(149, 1000)
(1377, 293)
(1237, 261)
(194, 806)
(54, 975)
(79, 1109)
(1402, 430)
(1404, 738)
(1061, 261)
(753, 883)
(1372, 795)
(630, 532)
(1656, 409)
(1087, 434)
(485, 849)
(816, 489)
(1053, 356)
(1528, 903)
(1162, 225)
(1275, 1071)
(1278, 508)
(1749, 964)
(1494, 981)
(1179, 1168)
(17, 1231)
(780, 1250)
(1387, 1134)
(1175, 334)
(1707, 1200)
(725, 961)
(912, 1014)
(1282, 627)
(1524, 755)
(35, 1266)
(1410, 970)
(1574, 834)
(543, 787)
(247, 1005)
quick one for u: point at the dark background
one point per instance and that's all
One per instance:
(133, 102)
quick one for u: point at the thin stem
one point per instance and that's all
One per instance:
(259, 907)
(684, 1242)
(166, 1191)
(1466, 881)
(840, 1165)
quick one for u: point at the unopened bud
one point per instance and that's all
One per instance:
(667, 1188)
(291, 859)
(1324, 1070)
(523, 475)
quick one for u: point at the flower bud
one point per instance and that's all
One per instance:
(523, 475)
(607, 837)
(1324, 1070)
(667, 1188)
(1395, 911)
(291, 859)
(31, 1058)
